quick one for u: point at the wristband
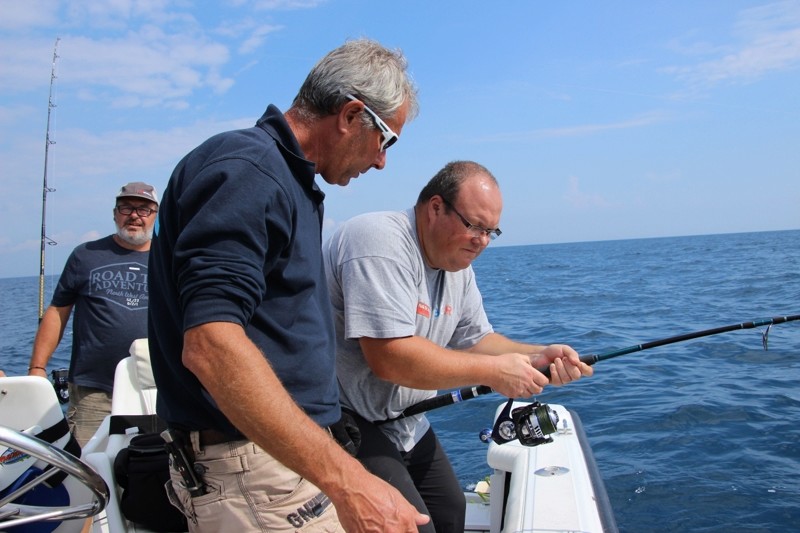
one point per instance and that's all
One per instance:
(37, 367)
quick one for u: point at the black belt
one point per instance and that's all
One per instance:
(210, 437)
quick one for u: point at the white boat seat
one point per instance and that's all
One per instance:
(134, 385)
(30, 404)
(134, 394)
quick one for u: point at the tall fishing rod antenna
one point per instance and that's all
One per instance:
(468, 393)
(45, 189)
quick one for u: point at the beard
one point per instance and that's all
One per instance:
(137, 238)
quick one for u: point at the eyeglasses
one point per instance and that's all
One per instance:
(141, 211)
(473, 229)
(389, 137)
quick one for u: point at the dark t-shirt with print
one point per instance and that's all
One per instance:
(107, 286)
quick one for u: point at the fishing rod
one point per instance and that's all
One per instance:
(45, 189)
(467, 393)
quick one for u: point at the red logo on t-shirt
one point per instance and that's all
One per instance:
(448, 309)
(423, 309)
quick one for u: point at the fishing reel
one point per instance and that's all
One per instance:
(60, 384)
(531, 424)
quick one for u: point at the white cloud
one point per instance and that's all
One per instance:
(579, 130)
(146, 68)
(251, 32)
(20, 16)
(98, 154)
(140, 53)
(286, 4)
(120, 14)
(10, 115)
(769, 42)
(579, 199)
(644, 119)
(256, 38)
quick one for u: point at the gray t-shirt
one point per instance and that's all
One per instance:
(381, 288)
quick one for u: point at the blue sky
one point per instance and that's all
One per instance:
(601, 120)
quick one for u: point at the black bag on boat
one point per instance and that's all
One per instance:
(142, 470)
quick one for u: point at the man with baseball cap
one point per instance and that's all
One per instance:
(106, 282)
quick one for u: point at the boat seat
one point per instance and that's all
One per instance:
(134, 394)
(134, 385)
(29, 404)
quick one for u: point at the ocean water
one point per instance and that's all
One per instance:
(702, 435)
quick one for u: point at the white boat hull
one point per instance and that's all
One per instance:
(551, 487)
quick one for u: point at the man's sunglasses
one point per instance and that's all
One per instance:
(389, 137)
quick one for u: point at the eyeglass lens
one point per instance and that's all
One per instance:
(141, 211)
(475, 230)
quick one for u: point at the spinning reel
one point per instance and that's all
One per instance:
(61, 385)
(531, 424)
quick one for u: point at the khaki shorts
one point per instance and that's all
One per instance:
(86, 411)
(249, 490)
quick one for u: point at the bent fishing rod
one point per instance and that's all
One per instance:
(467, 393)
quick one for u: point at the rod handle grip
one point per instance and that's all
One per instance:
(589, 359)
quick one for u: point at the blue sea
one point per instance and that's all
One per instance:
(702, 435)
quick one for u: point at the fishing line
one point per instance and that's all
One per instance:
(468, 393)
